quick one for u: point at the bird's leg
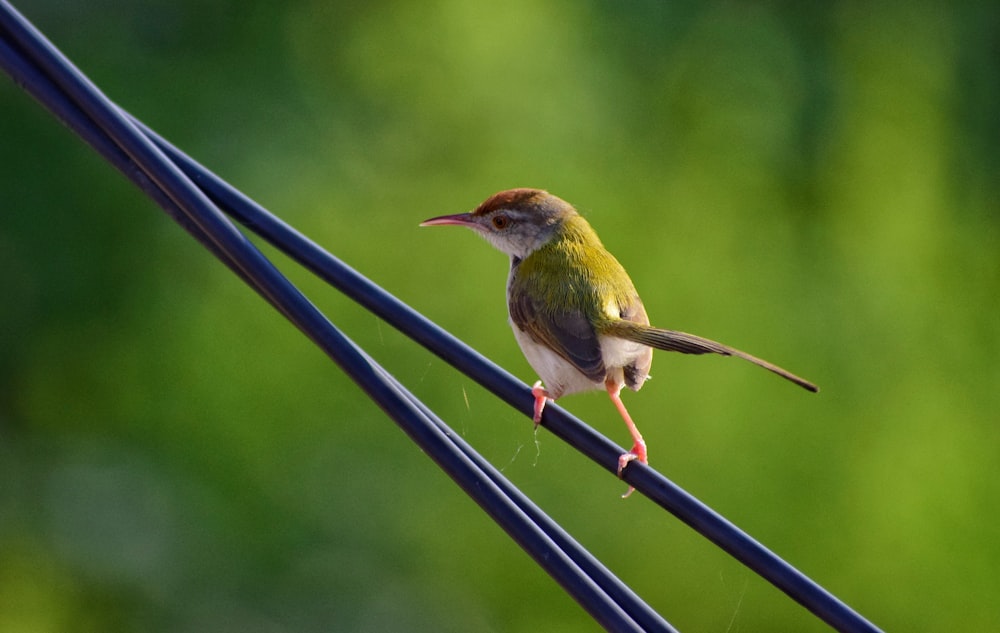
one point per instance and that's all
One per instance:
(638, 444)
(541, 397)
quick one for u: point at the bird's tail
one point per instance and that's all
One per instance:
(685, 343)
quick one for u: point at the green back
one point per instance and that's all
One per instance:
(574, 272)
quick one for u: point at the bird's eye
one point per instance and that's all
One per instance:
(501, 222)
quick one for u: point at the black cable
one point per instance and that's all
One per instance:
(199, 216)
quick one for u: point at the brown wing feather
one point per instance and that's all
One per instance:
(567, 333)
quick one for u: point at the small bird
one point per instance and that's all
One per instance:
(574, 310)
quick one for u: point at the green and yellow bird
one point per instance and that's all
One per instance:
(573, 308)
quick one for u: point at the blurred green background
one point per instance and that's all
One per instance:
(817, 184)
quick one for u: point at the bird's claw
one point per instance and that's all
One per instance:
(623, 461)
(541, 397)
(638, 452)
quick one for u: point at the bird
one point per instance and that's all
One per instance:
(574, 311)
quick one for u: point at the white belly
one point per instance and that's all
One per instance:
(559, 376)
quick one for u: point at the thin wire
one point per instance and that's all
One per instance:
(213, 230)
(400, 405)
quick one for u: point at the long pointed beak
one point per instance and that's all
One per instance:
(458, 219)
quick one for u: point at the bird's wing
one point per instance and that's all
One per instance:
(566, 332)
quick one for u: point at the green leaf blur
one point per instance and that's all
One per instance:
(817, 185)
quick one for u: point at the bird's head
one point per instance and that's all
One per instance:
(516, 221)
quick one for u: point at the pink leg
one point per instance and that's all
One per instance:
(638, 444)
(541, 397)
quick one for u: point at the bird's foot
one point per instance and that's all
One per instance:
(638, 452)
(541, 397)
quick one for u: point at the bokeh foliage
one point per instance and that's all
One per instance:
(817, 184)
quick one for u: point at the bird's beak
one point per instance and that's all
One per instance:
(458, 219)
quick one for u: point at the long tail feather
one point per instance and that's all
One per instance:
(685, 343)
